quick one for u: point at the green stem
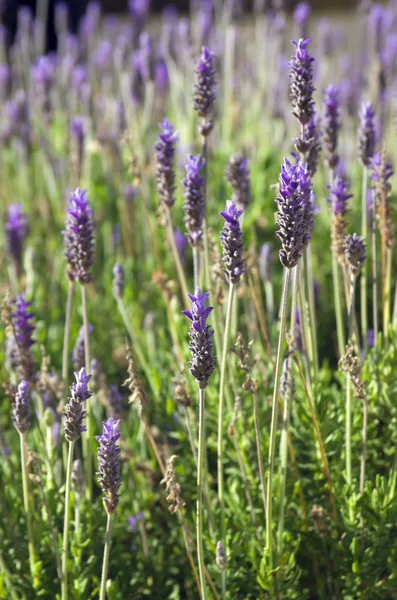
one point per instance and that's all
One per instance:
(364, 269)
(200, 470)
(106, 553)
(364, 445)
(66, 522)
(87, 440)
(66, 337)
(259, 448)
(177, 258)
(312, 309)
(26, 504)
(273, 424)
(348, 386)
(287, 413)
(221, 411)
(375, 283)
(338, 306)
(386, 307)
(196, 267)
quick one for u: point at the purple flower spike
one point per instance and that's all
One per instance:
(238, 175)
(204, 92)
(118, 281)
(339, 195)
(312, 141)
(21, 344)
(301, 82)
(366, 134)
(355, 252)
(201, 344)
(295, 212)
(165, 170)
(16, 230)
(21, 407)
(116, 401)
(73, 412)
(79, 238)
(331, 125)
(109, 464)
(194, 199)
(384, 210)
(232, 242)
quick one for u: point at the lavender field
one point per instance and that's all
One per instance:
(199, 305)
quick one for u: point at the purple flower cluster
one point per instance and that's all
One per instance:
(116, 401)
(366, 134)
(301, 82)
(109, 464)
(118, 281)
(165, 171)
(21, 407)
(19, 353)
(16, 230)
(311, 143)
(194, 199)
(339, 195)
(238, 175)
(201, 344)
(355, 252)
(232, 242)
(79, 238)
(331, 125)
(204, 92)
(294, 211)
(381, 175)
(73, 412)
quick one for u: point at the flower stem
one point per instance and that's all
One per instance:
(259, 448)
(200, 470)
(177, 259)
(348, 387)
(196, 266)
(87, 440)
(106, 553)
(338, 306)
(386, 306)
(273, 424)
(364, 268)
(287, 413)
(221, 411)
(66, 336)
(26, 503)
(66, 522)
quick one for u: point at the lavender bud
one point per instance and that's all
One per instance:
(109, 464)
(73, 412)
(165, 170)
(201, 344)
(21, 407)
(294, 212)
(238, 175)
(79, 238)
(221, 557)
(118, 281)
(266, 263)
(331, 125)
(232, 242)
(204, 92)
(366, 134)
(301, 82)
(16, 230)
(355, 252)
(78, 479)
(23, 331)
(116, 402)
(194, 200)
(78, 354)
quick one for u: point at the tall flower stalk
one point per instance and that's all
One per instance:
(110, 481)
(74, 415)
(202, 366)
(234, 264)
(295, 221)
(355, 254)
(366, 150)
(21, 411)
(79, 254)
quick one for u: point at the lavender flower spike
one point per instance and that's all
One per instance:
(312, 143)
(16, 230)
(301, 82)
(294, 212)
(21, 407)
(204, 92)
(355, 252)
(109, 464)
(118, 281)
(238, 175)
(22, 359)
(331, 125)
(194, 200)
(232, 242)
(201, 344)
(73, 412)
(79, 238)
(339, 197)
(366, 134)
(165, 171)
